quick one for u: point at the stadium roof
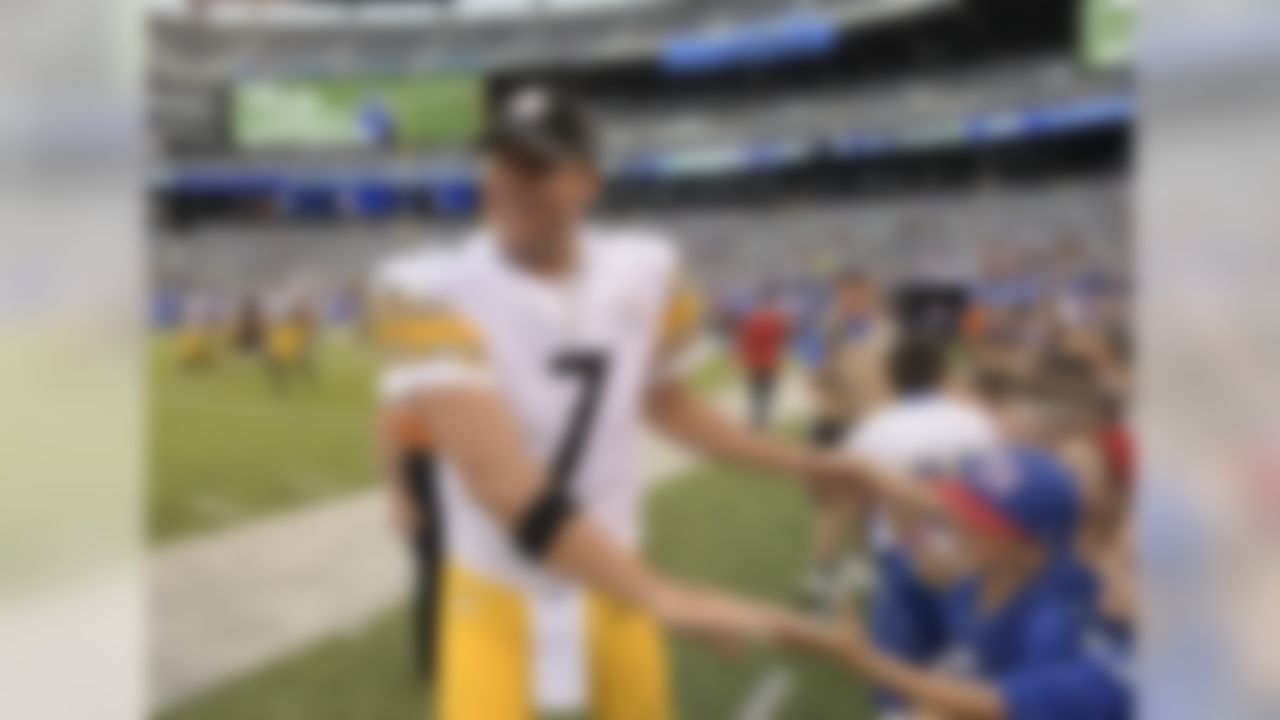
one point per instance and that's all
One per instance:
(282, 38)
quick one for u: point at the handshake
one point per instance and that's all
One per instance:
(724, 621)
(729, 624)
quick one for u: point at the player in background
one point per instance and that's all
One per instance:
(533, 354)
(849, 383)
(288, 346)
(197, 334)
(247, 333)
(762, 339)
(925, 434)
(1017, 646)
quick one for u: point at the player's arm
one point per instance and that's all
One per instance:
(932, 693)
(682, 415)
(893, 488)
(678, 412)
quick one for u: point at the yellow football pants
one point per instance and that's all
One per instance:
(484, 671)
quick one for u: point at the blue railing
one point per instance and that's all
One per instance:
(376, 193)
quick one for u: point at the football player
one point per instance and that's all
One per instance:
(288, 340)
(533, 353)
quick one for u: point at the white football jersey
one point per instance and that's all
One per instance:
(927, 437)
(572, 360)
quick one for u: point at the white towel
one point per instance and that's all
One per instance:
(559, 648)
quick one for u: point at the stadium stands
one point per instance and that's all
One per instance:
(729, 249)
(830, 112)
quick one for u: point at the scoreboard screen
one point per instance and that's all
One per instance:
(391, 112)
(1108, 32)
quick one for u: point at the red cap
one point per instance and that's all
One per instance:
(977, 513)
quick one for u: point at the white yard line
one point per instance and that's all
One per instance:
(766, 697)
(226, 605)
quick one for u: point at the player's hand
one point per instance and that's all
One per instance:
(845, 640)
(836, 475)
(726, 623)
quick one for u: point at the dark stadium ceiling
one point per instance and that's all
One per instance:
(235, 40)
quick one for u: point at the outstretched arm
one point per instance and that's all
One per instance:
(677, 412)
(932, 693)
(680, 414)
(892, 488)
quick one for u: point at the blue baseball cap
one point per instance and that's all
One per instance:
(1019, 495)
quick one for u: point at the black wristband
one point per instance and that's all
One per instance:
(543, 523)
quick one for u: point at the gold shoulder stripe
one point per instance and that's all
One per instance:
(409, 329)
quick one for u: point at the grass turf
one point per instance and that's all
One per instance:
(228, 446)
(713, 525)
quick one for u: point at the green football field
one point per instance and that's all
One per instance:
(228, 447)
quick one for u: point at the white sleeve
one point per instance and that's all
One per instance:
(425, 343)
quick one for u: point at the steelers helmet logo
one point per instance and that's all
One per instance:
(529, 105)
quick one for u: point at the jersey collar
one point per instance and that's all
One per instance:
(556, 301)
